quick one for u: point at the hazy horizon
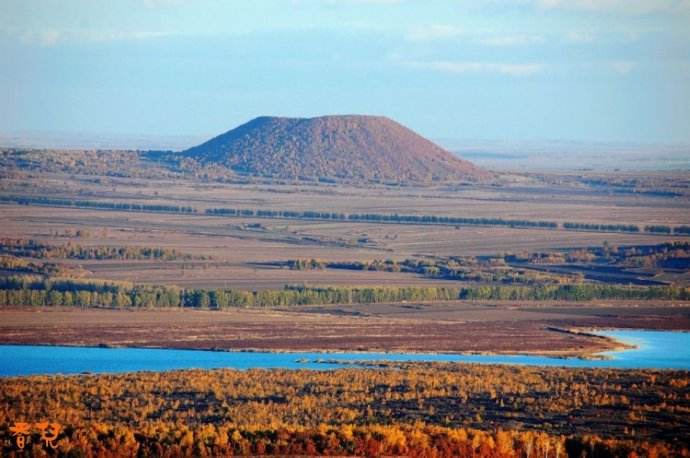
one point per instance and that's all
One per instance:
(500, 155)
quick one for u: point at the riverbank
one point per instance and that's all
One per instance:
(655, 350)
(440, 328)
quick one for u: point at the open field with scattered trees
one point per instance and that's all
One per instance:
(125, 242)
(413, 409)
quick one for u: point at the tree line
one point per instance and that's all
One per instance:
(352, 217)
(30, 290)
(36, 249)
(102, 205)
(602, 227)
(380, 218)
(514, 268)
(445, 220)
(465, 268)
(574, 292)
(17, 265)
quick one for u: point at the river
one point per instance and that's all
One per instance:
(654, 350)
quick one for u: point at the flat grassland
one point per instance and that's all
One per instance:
(441, 327)
(241, 246)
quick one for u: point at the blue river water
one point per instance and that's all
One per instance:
(655, 350)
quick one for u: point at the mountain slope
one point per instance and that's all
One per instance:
(348, 147)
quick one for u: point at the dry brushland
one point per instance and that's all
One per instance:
(406, 410)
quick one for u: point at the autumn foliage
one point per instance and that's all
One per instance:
(411, 410)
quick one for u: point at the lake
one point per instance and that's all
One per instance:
(656, 349)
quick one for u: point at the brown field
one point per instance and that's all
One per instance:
(239, 250)
(512, 197)
(447, 327)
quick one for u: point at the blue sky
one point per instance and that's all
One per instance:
(585, 70)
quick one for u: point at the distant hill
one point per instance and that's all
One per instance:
(349, 147)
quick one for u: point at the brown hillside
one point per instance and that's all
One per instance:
(347, 147)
